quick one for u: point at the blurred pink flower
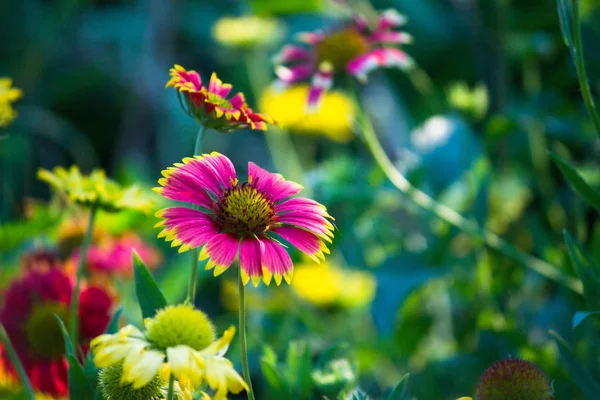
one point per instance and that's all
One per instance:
(355, 49)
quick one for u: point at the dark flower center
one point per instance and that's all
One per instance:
(244, 211)
(339, 47)
(219, 101)
(43, 331)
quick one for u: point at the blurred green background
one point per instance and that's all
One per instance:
(445, 307)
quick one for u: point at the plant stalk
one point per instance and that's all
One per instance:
(194, 269)
(74, 309)
(171, 390)
(12, 354)
(450, 216)
(243, 347)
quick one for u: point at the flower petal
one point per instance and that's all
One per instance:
(305, 241)
(221, 251)
(272, 185)
(293, 74)
(388, 37)
(383, 57)
(275, 260)
(186, 227)
(390, 18)
(292, 53)
(321, 83)
(250, 251)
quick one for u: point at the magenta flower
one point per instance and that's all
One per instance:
(243, 218)
(210, 105)
(354, 49)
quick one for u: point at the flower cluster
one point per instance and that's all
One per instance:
(95, 190)
(353, 49)
(211, 106)
(8, 95)
(178, 340)
(249, 217)
(29, 311)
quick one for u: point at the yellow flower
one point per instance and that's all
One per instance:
(247, 31)
(95, 190)
(8, 95)
(325, 285)
(465, 398)
(178, 340)
(335, 117)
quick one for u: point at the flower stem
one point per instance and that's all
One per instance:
(12, 354)
(171, 390)
(74, 314)
(577, 53)
(194, 270)
(243, 349)
(447, 214)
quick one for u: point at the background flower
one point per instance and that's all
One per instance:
(8, 95)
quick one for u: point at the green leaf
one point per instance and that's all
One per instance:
(578, 184)
(113, 326)
(580, 375)
(78, 385)
(398, 393)
(581, 316)
(69, 349)
(299, 367)
(589, 279)
(565, 16)
(149, 296)
(274, 379)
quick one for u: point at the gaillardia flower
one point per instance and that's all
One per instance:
(353, 49)
(514, 379)
(247, 217)
(8, 95)
(210, 105)
(95, 190)
(335, 117)
(178, 340)
(29, 314)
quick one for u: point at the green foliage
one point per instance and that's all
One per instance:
(149, 295)
(591, 195)
(588, 384)
(79, 386)
(399, 391)
(587, 273)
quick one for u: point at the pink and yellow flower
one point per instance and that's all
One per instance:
(29, 314)
(355, 49)
(243, 218)
(210, 105)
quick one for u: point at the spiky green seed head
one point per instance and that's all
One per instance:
(109, 380)
(180, 325)
(514, 379)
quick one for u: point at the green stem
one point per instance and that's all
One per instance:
(243, 348)
(447, 214)
(281, 147)
(74, 314)
(12, 354)
(194, 269)
(171, 390)
(577, 53)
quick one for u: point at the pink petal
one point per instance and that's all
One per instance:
(238, 101)
(311, 38)
(305, 241)
(383, 57)
(250, 251)
(390, 19)
(221, 251)
(311, 222)
(272, 185)
(292, 53)
(387, 37)
(190, 227)
(300, 204)
(294, 74)
(276, 260)
(361, 23)
(320, 84)
(182, 186)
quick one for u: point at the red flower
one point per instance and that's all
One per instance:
(28, 314)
